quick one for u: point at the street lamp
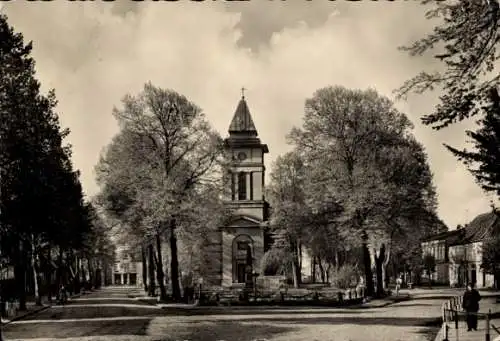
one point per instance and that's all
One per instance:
(255, 275)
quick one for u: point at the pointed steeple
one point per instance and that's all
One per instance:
(242, 123)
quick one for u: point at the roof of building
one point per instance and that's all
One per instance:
(477, 230)
(242, 123)
(480, 228)
(450, 236)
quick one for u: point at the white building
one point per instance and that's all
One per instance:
(127, 269)
(458, 253)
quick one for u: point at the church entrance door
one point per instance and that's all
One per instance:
(241, 272)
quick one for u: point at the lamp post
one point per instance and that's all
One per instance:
(255, 275)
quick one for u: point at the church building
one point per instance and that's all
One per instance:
(241, 243)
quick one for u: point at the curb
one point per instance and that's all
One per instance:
(20, 317)
(439, 335)
(386, 304)
(35, 311)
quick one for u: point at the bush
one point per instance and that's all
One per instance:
(345, 276)
(275, 262)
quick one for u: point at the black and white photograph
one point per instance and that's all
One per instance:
(249, 170)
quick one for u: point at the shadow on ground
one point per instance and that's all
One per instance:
(410, 304)
(69, 312)
(107, 301)
(389, 321)
(77, 329)
(223, 330)
(230, 311)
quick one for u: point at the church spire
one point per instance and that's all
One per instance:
(242, 123)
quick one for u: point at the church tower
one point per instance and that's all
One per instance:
(243, 238)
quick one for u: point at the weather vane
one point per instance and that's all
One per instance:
(243, 92)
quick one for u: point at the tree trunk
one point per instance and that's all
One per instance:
(379, 269)
(59, 273)
(327, 272)
(34, 267)
(313, 274)
(387, 257)
(321, 271)
(144, 268)
(73, 268)
(367, 263)
(296, 273)
(300, 256)
(160, 276)
(174, 263)
(91, 273)
(77, 283)
(151, 271)
(83, 274)
(48, 275)
(20, 275)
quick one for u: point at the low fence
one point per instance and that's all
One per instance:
(454, 303)
(281, 296)
(453, 313)
(451, 330)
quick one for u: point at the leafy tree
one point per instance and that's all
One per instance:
(286, 196)
(466, 42)
(169, 148)
(360, 153)
(484, 161)
(277, 260)
(407, 252)
(491, 257)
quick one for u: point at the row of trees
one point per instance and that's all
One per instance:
(46, 227)
(356, 190)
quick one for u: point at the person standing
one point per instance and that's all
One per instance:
(471, 306)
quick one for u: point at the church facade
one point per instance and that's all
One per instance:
(239, 245)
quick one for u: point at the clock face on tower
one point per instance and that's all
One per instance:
(242, 156)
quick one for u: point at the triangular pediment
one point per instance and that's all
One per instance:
(244, 221)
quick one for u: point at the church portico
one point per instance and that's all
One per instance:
(243, 248)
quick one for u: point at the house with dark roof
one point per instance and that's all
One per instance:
(458, 253)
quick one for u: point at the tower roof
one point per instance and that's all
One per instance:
(242, 123)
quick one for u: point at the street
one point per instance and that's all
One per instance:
(109, 314)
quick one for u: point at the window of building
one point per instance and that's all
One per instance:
(233, 186)
(251, 186)
(242, 186)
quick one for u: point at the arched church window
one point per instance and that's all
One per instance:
(242, 186)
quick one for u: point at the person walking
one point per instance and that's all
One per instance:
(62, 295)
(399, 281)
(471, 306)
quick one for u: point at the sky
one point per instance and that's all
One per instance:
(94, 53)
